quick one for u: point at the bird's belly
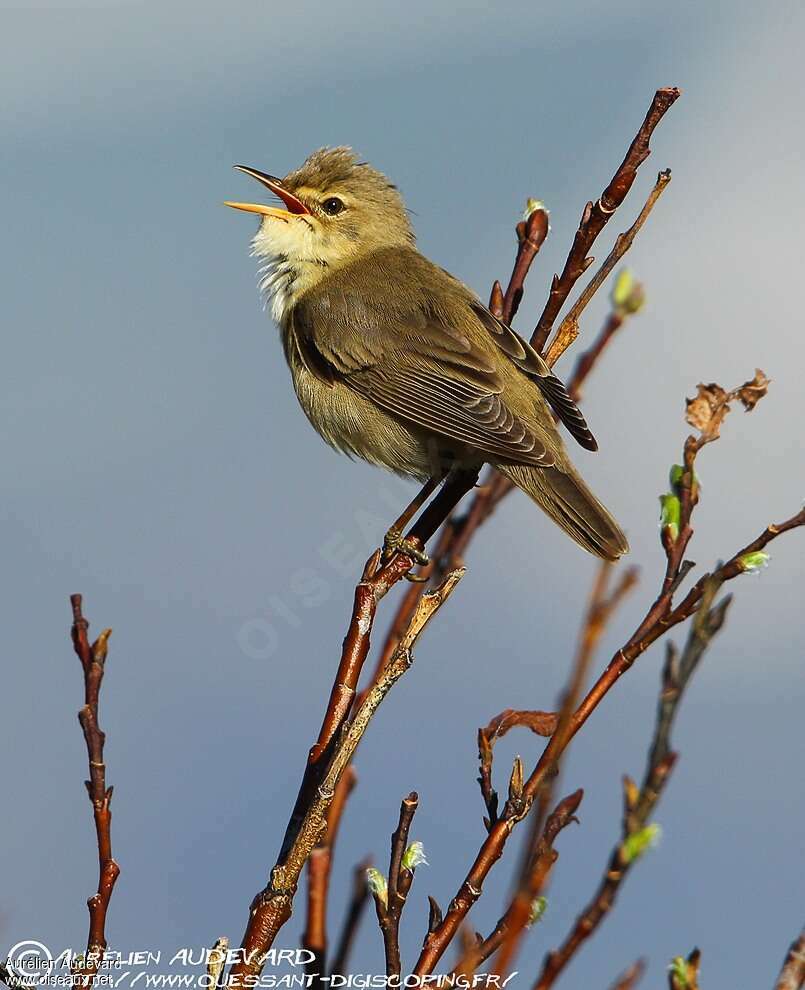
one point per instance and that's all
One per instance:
(357, 427)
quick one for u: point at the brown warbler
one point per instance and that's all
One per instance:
(395, 361)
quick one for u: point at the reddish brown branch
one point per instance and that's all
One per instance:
(93, 663)
(662, 616)
(596, 215)
(531, 234)
(531, 881)
(569, 327)
(272, 906)
(792, 975)
(505, 935)
(541, 723)
(319, 867)
(639, 805)
(630, 977)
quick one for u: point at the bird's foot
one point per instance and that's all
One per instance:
(395, 542)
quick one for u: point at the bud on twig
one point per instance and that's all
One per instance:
(634, 845)
(378, 885)
(531, 206)
(414, 856)
(627, 295)
(670, 511)
(538, 906)
(754, 561)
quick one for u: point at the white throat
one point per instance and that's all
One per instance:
(291, 260)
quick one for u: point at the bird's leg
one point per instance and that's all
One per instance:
(394, 540)
(458, 482)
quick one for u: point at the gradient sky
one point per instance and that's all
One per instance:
(155, 458)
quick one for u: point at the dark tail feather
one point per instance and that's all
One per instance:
(571, 504)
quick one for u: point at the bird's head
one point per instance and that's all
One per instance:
(335, 209)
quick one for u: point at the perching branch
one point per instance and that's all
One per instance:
(318, 877)
(272, 907)
(93, 664)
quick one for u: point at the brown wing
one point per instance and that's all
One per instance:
(413, 362)
(530, 362)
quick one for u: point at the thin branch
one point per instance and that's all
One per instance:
(639, 805)
(662, 616)
(630, 977)
(596, 216)
(792, 975)
(399, 883)
(531, 882)
(352, 918)
(272, 907)
(93, 664)
(531, 234)
(319, 867)
(569, 327)
(506, 933)
(541, 723)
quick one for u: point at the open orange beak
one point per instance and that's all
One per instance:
(295, 206)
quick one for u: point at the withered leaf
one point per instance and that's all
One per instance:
(751, 392)
(700, 410)
(542, 723)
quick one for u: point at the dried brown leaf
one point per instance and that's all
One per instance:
(706, 411)
(751, 392)
(542, 723)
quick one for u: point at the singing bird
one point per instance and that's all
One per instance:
(395, 361)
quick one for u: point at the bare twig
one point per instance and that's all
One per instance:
(319, 867)
(272, 907)
(504, 937)
(569, 327)
(792, 975)
(639, 805)
(352, 918)
(93, 662)
(630, 977)
(541, 723)
(662, 616)
(596, 215)
(531, 882)
(531, 234)
(399, 883)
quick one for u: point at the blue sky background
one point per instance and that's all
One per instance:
(155, 459)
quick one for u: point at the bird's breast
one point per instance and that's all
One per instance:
(357, 427)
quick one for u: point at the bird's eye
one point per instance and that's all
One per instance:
(332, 206)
